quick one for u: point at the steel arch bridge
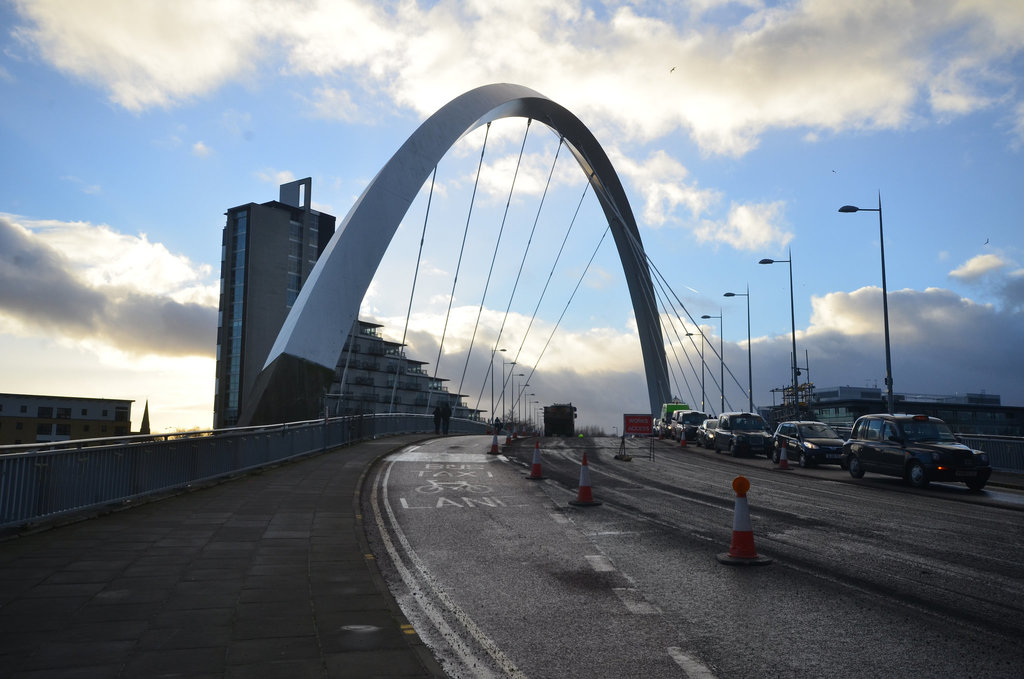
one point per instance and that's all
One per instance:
(301, 363)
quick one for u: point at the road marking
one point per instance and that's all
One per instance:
(422, 587)
(600, 563)
(692, 668)
(439, 456)
(560, 518)
(635, 602)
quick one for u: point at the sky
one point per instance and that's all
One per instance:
(738, 129)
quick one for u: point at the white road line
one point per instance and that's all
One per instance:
(600, 563)
(634, 602)
(413, 582)
(692, 668)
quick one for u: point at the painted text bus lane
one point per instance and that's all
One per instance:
(453, 485)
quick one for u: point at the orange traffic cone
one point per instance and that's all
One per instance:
(783, 460)
(584, 498)
(508, 438)
(682, 440)
(535, 471)
(741, 550)
(494, 446)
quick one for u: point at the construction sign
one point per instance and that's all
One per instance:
(641, 425)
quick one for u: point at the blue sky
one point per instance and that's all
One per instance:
(738, 128)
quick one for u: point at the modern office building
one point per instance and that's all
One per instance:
(26, 418)
(267, 252)
(978, 414)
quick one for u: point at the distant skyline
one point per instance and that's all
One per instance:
(738, 129)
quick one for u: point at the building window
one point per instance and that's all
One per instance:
(44, 428)
(19, 425)
(63, 413)
(44, 411)
(85, 411)
(63, 430)
(24, 409)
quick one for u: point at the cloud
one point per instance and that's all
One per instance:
(332, 104)
(748, 227)
(200, 149)
(725, 82)
(978, 266)
(60, 280)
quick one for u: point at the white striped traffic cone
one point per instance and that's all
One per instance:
(494, 446)
(584, 496)
(741, 550)
(535, 471)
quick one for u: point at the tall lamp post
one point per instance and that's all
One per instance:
(703, 408)
(492, 383)
(750, 365)
(504, 381)
(792, 320)
(515, 399)
(885, 298)
(721, 354)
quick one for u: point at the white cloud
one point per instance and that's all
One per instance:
(748, 227)
(200, 149)
(774, 67)
(85, 282)
(332, 104)
(978, 266)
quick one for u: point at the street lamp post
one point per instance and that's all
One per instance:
(721, 354)
(750, 365)
(885, 298)
(792, 320)
(492, 383)
(515, 399)
(703, 407)
(504, 381)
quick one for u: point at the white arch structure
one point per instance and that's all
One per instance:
(301, 363)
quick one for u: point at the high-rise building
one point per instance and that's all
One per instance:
(267, 252)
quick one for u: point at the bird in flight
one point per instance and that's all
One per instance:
(671, 69)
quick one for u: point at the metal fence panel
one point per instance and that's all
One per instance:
(44, 481)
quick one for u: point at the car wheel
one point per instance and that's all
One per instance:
(916, 475)
(775, 455)
(976, 484)
(856, 470)
(804, 462)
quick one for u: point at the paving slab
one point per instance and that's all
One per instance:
(265, 575)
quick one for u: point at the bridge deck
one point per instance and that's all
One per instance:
(266, 575)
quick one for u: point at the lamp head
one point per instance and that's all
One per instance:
(767, 261)
(849, 208)
(729, 294)
(706, 316)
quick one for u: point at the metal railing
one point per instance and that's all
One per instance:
(46, 480)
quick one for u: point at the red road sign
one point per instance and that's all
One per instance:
(637, 424)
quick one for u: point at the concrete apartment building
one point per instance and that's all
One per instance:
(26, 418)
(268, 251)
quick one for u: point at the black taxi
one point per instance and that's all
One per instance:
(918, 448)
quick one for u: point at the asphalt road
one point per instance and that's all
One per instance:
(502, 576)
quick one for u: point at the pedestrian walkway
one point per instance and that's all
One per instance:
(268, 575)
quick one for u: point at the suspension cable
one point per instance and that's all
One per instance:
(458, 266)
(412, 293)
(551, 274)
(494, 255)
(564, 309)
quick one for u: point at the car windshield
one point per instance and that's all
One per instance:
(693, 418)
(817, 431)
(748, 423)
(926, 430)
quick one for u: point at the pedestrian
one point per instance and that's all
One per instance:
(437, 419)
(446, 415)
(497, 426)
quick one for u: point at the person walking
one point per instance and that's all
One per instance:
(446, 416)
(437, 419)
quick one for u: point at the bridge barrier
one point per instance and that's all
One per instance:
(44, 481)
